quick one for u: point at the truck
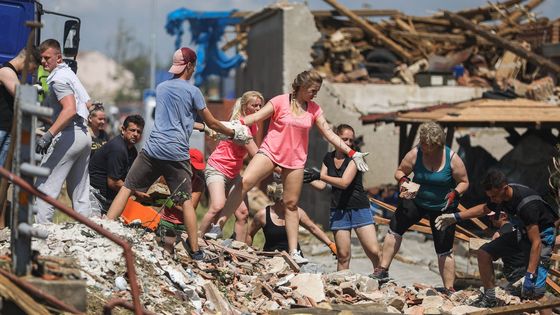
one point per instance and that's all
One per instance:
(14, 35)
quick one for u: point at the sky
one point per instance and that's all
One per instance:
(100, 18)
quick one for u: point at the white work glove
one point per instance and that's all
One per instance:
(210, 132)
(242, 135)
(446, 220)
(358, 158)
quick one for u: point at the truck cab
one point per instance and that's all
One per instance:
(15, 34)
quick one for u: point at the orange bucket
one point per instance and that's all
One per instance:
(134, 210)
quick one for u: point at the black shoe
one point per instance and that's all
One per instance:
(484, 301)
(380, 274)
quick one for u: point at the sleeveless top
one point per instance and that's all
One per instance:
(275, 236)
(354, 196)
(434, 186)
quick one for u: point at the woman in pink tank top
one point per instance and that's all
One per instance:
(285, 146)
(222, 171)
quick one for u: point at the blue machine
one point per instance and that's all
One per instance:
(207, 29)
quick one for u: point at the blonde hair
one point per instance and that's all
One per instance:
(303, 79)
(240, 107)
(431, 134)
(274, 191)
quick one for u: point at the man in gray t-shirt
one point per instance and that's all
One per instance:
(166, 152)
(66, 144)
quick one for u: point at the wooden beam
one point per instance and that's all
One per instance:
(11, 292)
(519, 308)
(423, 221)
(420, 228)
(456, 39)
(503, 43)
(476, 221)
(218, 300)
(359, 12)
(518, 14)
(371, 30)
(426, 20)
(470, 13)
(553, 285)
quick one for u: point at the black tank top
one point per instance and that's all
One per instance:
(275, 236)
(6, 104)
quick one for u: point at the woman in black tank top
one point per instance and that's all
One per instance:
(271, 220)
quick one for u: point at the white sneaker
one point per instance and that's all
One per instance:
(300, 260)
(215, 232)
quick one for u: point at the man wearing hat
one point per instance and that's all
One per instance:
(166, 152)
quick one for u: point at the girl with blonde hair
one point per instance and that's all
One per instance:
(223, 168)
(285, 146)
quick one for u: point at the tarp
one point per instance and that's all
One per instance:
(207, 29)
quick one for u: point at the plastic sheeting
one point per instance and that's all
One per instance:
(207, 29)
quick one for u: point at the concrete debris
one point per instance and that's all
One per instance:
(241, 281)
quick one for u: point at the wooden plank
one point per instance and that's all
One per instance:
(456, 39)
(520, 308)
(11, 292)
(290, 261)
(420, 228)
(359, 12)
(503, 43)
(476, 243)
(476, 221)
(215, 296)
(371, 30)
(518, 14)
(553, 285)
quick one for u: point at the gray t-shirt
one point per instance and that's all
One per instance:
(177, 102)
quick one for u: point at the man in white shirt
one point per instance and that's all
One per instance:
(66, 145)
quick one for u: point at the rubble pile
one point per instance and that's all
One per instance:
(403, 49)
(238, 280)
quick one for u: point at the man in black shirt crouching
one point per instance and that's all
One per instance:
(110, 164)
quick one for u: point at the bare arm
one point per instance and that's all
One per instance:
(331, 137)
(474, 212)
(319, 184)
(534, 236)
(9, 79)
(114, 184)
(68, 112)
(251, 148)
(309, 225)
(213, 123)
(198, 126)
(459, 174)
(407, 164)
(256, 224)
(261, 115)
(346, 179)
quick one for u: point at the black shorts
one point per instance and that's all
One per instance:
(408, 214)
(506, 245)
(145, 170)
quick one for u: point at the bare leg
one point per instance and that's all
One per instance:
(368, 238)
(292, 180)
(241, 220)
(343, 249)
(446, 265)
(486, 269)
(189, 216)
(391, 245)
(259, 168)
(118, 204)
(217, 201)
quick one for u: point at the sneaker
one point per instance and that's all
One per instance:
(380, 274)
(201, 255)
(298, 258)
(215, 232)
(484, 301)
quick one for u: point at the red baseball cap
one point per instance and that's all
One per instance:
(197, 159)
(181, 58)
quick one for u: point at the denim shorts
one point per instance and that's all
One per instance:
(350, 219)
